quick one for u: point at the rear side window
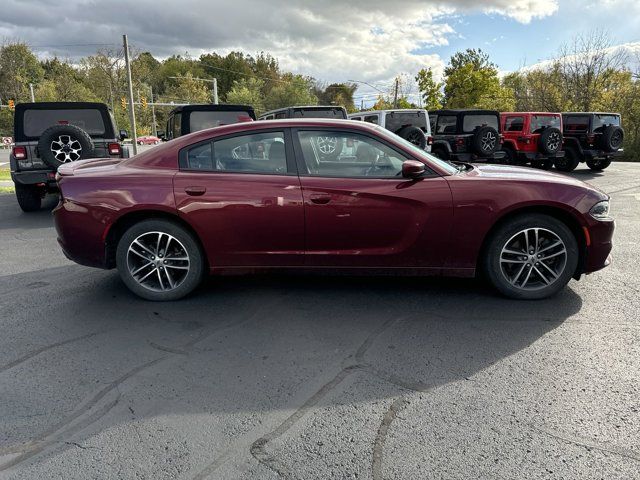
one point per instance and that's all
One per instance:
(396, 120)
(471, 122)
(432, 122)
(177, 125)
(540, 122)
(255, 153)
(356, 118)
(37, 121)
(371, 119)
(576, 124)
(447, 124)
(514, 124)
(280, 115)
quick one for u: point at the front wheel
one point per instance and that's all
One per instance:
(159, 260)
(530, 257)
(29, 197)
(598, 164)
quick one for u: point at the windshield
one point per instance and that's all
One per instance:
(418, 152)
(37, 121)
(210, 119)
(471, 122)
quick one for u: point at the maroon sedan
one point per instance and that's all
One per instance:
(325, 194)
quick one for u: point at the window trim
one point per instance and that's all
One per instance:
(288, 150)
(304, 172)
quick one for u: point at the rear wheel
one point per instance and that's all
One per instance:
(530, 257)
(569, 162)
(159, 260)
(29, 197)
(598, 164)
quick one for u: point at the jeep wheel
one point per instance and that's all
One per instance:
(550, 141)
(598, 164)
(569, 162)
(612, 138)
(29, 197)
(62, 144)
(329, 148)
(413, 135)
(485, 141)
(510, 156)
(530, 257)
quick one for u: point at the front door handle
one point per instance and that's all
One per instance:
(195, 191)
(320, 199)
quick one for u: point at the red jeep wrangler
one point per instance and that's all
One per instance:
(532, 137)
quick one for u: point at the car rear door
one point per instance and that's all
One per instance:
(360, 211)
(242, 195)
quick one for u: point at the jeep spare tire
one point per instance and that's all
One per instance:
(612, 138)
(485, 141)
(550, 141)
(62, 144)
(413, 135)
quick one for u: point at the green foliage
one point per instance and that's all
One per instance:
(430, 90)
(248, 91)
(291, 90)
(339, 94)
(18, 67)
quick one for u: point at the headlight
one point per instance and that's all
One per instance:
(600, 211)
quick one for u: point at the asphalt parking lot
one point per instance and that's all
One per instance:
(317, 376)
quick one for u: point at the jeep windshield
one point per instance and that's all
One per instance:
(472, 121)
(540, 122)
(201, 120)
(36, 121)
(318, 113)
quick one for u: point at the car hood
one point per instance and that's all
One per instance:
(508, 172)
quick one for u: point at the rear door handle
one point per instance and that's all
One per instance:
(320, 199)
(195, 191)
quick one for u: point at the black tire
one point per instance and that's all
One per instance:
(414, 135)
(441, 153)
(196, 263)
(598, 164)
(510, 156)
(546, 164)
(569, 162)
(550, 141)
(612, 138)
(29, 197)
(485, 141)
(53, 137)
(511, 229)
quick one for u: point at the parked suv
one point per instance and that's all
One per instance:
(410, 124)
(466, 135)
(50, 134)
(193, 118)
(310, 111)
(532, 137)
(593, 137)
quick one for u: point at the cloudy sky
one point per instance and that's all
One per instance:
(332, 40)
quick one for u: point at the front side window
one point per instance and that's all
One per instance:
(432, 122)
(514, 124)
(344, 154)
(371, 119)
(540, 122)
(177, 125)
(255, 153)
(472, 121)
(447, 124)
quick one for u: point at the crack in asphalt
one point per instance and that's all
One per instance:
(378, 444)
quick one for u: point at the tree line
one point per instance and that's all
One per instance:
(588, 74)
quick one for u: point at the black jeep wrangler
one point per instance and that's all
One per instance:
(193, 118)
(466, 135)
(48, 134)
(593, 137)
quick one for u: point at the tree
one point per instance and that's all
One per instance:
(337, 94)
(186, 89)
(291, 90)
(18, 68)
(248, 91)
(430, 90)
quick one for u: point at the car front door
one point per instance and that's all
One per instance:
(242, 195)
(361, 212)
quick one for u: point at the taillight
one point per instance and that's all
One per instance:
(460, 141)
(20, 153)
(591, 138)
(429, 140)
(114, 149)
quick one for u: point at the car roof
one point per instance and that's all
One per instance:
(456, 111)
(210, 107)
(368, 112)
(60, 105)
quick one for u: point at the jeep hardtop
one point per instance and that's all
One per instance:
(193, 118)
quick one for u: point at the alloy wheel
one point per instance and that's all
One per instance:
(533, 258)
(553, 142)
(488, 141)
(158, 261)
(327, 145)
(66, 149)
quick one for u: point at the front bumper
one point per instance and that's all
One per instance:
(600, 239)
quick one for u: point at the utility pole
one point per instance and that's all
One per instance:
(132, 113)
(215, 91)
(395, 95)
(153, 113)
(33, 97)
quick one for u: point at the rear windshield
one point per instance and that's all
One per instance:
(319, 113)
(471, 122)
(600, 121)
(540, 122)
(210, 119)
(576, 123)
(396, 120)
(37, 121)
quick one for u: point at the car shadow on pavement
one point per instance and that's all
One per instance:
(18, 219)
(239, 350)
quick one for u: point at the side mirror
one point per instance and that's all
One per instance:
(412, 168)
(123, 134)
